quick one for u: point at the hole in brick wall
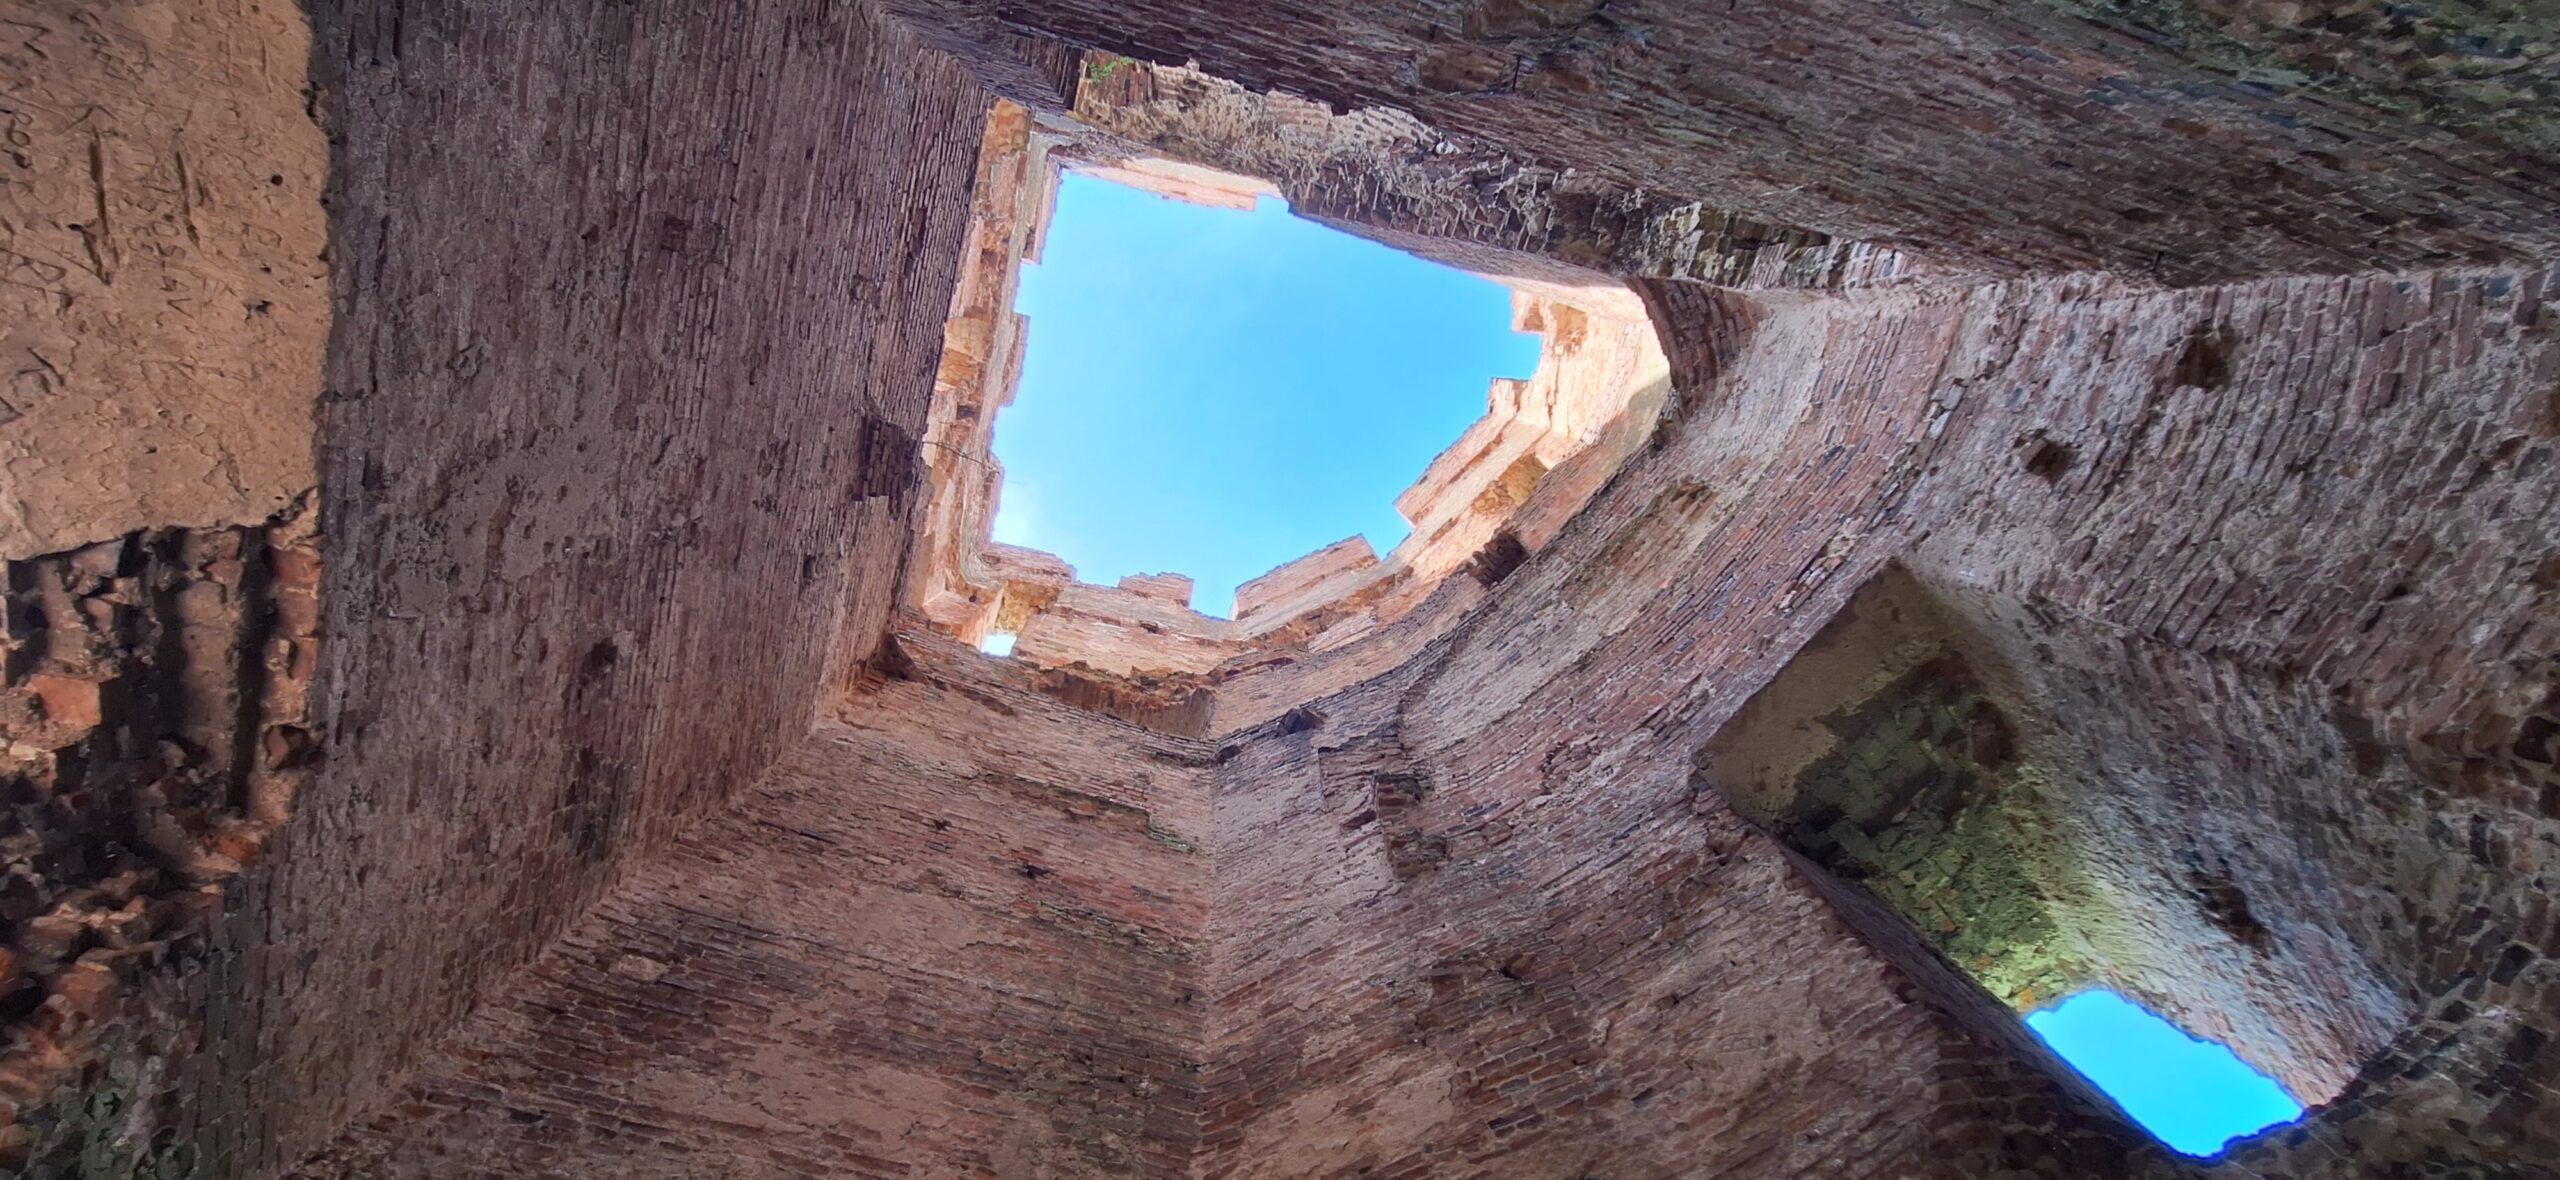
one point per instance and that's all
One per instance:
(1223, 390)
(2192, 1093)
(2204, 361)
(1499, 557)
(2048, 458)
(891, 660)
(599, 661)
(997, 643)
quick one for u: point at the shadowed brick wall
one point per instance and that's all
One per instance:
(621, 295)
(1988, 138)
(957, 931)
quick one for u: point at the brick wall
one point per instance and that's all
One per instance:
(622, 293)
(957, 931)
(1469, 908)
(1848, 432)
(1382, 173)
(2320, 506)
(1629, 982)
(1984, 139)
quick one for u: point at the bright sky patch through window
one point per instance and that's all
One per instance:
(2194, 1094)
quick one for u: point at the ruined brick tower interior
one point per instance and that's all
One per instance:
(2017, 497)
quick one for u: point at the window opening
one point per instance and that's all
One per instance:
(2012, 786)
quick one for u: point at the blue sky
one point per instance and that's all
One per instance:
(1213, 392)
(2193, 1094)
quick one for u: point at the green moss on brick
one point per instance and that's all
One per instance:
(1926, 802)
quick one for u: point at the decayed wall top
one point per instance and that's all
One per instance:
(1596, 393)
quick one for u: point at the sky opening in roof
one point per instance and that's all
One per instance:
(2193, 1094)
(1214, 392)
